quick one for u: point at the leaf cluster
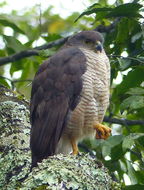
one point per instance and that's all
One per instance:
(123, 153)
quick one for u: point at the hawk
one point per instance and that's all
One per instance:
(70, 95)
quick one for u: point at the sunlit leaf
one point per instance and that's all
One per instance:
(5, 22)
(13, 43)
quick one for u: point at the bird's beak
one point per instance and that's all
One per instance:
(99, 47)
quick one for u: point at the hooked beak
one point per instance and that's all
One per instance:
(99, 47)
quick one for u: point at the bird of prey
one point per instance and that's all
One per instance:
(70, 95)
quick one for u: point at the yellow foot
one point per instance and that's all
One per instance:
(74, 146)
(102, 131)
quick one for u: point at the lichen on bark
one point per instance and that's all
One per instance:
(55, 173)
(14, 138)
(58, 172)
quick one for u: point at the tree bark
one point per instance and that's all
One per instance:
(55, 173)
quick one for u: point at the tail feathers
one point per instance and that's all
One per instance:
(47, 130)
(35, 160)
(64, 146)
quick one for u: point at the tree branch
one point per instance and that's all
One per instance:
(30, 52)
(35, 51)
(106, 29)
(131, 58)
(123, 121)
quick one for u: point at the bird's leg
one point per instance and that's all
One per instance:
(74, 146)
(102, 131)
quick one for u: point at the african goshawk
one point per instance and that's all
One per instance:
(70, 95)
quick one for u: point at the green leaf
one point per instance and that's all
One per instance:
(136, 135)
(124, 63)
(123, 31)
(133, 79)
(132, 103)
(136, 91)
(17, 66)
(126, 10)
(94, 10)
(52, 37)
(93, 6)
(134, 187)
(5, 22)
(131, 173)
(13, 43)
(140, 176)
(123, 165)
(127, 143)
(115, 144)
(106, 149)
(115, 140)
(117, 152)
(136, 37)
(4, 82)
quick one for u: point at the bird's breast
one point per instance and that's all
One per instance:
(94, 95)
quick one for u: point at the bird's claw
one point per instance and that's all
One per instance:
(102, 131)
(75, 152)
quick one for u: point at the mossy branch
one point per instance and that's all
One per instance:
(55, 173)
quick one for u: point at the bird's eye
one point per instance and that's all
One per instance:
(87, 41)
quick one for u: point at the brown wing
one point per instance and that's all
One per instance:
(55, 92)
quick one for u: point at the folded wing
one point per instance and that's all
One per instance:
(55, 93)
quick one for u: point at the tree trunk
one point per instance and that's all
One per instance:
(55, 173)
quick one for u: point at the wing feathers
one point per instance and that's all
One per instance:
(56, 90)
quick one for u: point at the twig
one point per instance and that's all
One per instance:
(106, 29)
(132, 58)
(26, 80)
(18, 56)
(123, 121)
(40, 19)
(35, 51)
(15, 81)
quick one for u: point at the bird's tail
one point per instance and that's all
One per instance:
(64, 146)
(47, 130)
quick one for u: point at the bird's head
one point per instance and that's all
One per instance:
(88, 39)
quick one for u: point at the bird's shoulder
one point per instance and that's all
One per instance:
(63, 58)
(60, 75)
(67, 62)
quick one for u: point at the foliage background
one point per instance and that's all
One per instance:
(121, 24)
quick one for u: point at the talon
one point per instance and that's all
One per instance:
(102, 132)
